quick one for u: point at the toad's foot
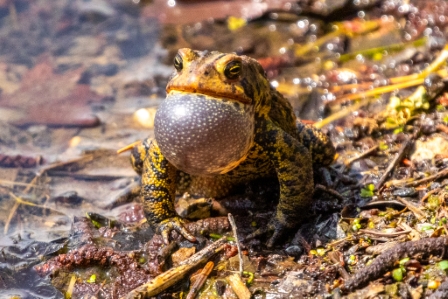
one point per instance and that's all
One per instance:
(275, 227)
(175, 223)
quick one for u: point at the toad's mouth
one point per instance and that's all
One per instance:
(203, 135)
(234, 95)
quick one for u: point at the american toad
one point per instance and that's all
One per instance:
(221, 125)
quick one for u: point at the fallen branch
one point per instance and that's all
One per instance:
(385, 261)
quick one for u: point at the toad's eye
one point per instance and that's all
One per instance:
(178, 62)
(233, 69)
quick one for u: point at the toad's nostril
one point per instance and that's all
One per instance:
(203, 135)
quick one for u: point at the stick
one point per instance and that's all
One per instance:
(200, 280)
(330, 191)
(391, 166)
(127, 147)
(173, 275)
(362, 155)
(381, 234)
(419, 214)
(433, 177)
(235, 235)
(238, 286)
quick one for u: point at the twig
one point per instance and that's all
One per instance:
(128, 147)
(21, 201)
(340, 114)
(235, 235)
(200, 280)
(340, 241)
(384, 203)
(429, 193)
(300, 240)
(439, 175)
(338, 261)
(442, 128)
(434, 66)
(377, 91)
(6, 182)
(415, 235)
(419, 214)
(85, 176)
(381, 247)
(389, 48)
(32, 184)
(11, 214)
(173, 275)
(238, 286)
(362, 155)
(18, 202)
(400, 82)
(397, 183)
(397, 158)
(306, 48)
(53, 166)
(330, 191)
(351, 86)
(13, 16)
(71, 287)
(381, 234)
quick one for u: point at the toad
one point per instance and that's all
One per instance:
(221, 125)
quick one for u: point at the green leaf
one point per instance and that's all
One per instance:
(368, 190)
(404, 261)
(398, 130)
(383, 146)
(398, 274)
(443, 265)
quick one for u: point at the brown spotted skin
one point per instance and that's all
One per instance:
(282, 147)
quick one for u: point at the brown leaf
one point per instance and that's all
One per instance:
(195, 11)
(49, 98)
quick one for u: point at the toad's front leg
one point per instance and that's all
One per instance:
(293, 164)
(158, 192)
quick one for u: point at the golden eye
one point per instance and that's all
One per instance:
(233, 69)
(178, 62)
